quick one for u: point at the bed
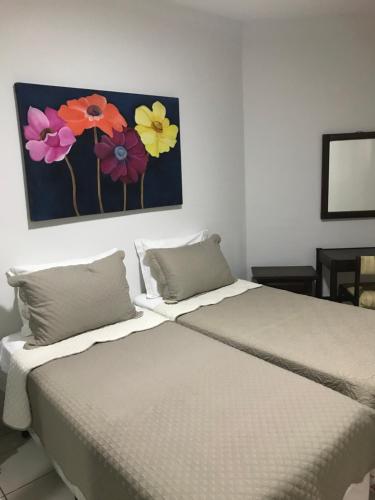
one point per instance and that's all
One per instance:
(168, 413)
(129, 405)
(330, 343)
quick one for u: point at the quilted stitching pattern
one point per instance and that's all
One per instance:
(311, 337)
(170, 414)
(16, 407)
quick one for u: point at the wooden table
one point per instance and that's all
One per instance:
(337, 260)
(299, 279)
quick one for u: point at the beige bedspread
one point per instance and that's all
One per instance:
(170, 414)
(333, 344)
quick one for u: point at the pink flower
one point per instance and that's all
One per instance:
(48, 137)
(123, 156)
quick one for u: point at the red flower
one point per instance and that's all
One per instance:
(92, 111)
(123, 156)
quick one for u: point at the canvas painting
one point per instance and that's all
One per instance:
(93, 152)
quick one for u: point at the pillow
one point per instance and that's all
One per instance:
(186, 271)
(15, 271)
(68, 300)
(142, 246)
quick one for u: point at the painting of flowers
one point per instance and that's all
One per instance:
(89, 152)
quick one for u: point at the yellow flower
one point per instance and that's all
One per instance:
(155, 130)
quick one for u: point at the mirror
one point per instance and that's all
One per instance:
(348, 176)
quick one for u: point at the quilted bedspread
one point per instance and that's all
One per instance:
(170, 414)
(16, 406)
(333, 344)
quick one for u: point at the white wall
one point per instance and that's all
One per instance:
(134, 46)
(302, 78)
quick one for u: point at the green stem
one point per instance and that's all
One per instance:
(74, 186)
(98, 177)
(142, 191)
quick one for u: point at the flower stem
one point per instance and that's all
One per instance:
(74, 186)
(142, 191)
(124, 196)
(98, 178)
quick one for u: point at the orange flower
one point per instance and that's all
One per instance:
(92, 111)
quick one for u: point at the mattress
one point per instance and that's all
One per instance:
(330, 343)
(171, 414)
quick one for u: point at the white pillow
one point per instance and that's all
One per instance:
(142, 246)
(15, 271)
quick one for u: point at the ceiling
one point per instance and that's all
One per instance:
(280, 9)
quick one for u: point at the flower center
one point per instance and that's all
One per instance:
(94, 110)
(44, 133)
(120, 153)
(157, 126)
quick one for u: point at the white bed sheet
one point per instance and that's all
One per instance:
(172, 311)
(8, 346)
(150, 304)
(213, 297)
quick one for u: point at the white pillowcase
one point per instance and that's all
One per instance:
(142, 246)
(17, 270)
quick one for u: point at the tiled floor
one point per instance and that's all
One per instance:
(25, 471)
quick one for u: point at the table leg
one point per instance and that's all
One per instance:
(319, 271)
(333, 283)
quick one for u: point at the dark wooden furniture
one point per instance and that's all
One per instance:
(344, 293)
(325, 212)
(337, 260)
(299, 279)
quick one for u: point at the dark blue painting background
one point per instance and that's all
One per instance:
(49, 186)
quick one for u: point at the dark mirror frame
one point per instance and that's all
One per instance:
(324, 213)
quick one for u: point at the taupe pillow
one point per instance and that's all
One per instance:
(186, 271)
(65, 301)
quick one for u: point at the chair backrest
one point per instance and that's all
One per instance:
(367, 264)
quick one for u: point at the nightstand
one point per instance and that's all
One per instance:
(298, 279)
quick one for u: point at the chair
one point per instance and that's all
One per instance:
(361, 293)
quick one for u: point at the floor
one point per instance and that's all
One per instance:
(25, 471)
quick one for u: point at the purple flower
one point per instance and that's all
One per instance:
(122, 156)
(48, 137)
